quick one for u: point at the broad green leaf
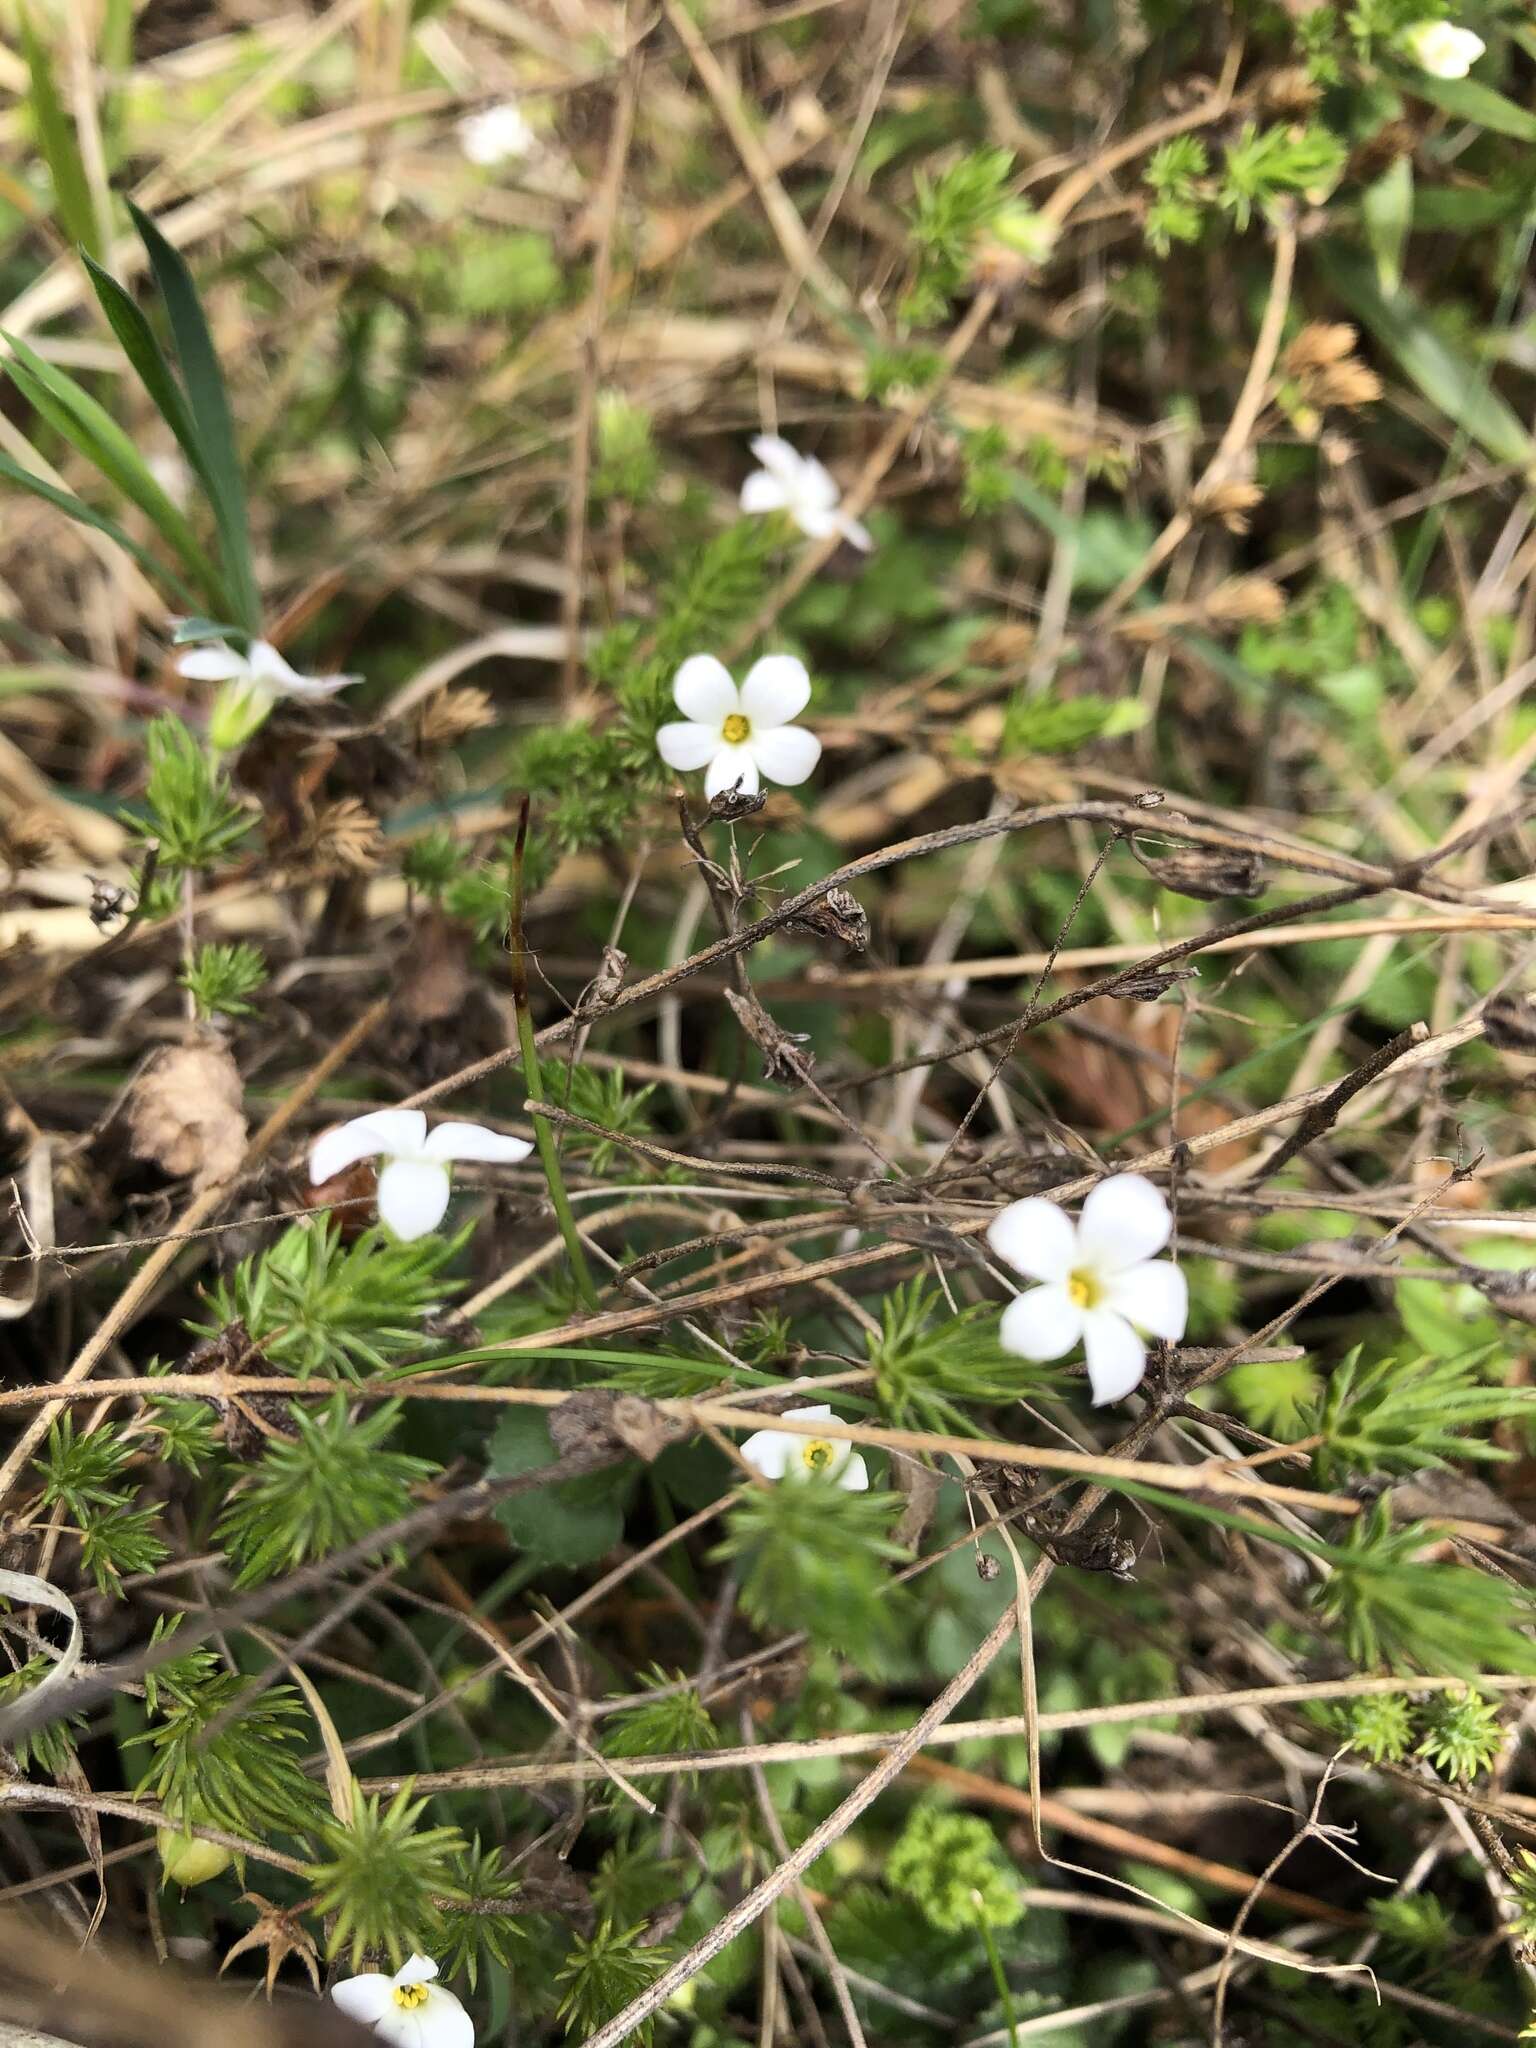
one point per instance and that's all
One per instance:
(572, 1523)
(56, 139)
(209, 402)
(1469, 100)
(85, 515)
(73, 413)
(1453, 383)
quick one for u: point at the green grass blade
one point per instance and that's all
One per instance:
(1469, 100)
(149, 359)
(73, 413)
(1452, 382)
(56, 138)
(214, 423)
(86, 515)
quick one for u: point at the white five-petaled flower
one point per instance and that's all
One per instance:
(1099, 1280)
(413, 1182)
(801, 486)
(407, 2010)
(1442, 49)
(784, 1454)
(740, 736)
(496, 135)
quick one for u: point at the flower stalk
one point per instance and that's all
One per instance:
(543, 1133)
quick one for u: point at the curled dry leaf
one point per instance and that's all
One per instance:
(184, 1113)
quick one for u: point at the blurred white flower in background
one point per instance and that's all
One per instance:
(799, 485)
(1099, 1280)
(253, 683)
(740, 736)
(414, 1180)
(496, 135)
(784, 1454)
(407, 2010)
(1442, 49)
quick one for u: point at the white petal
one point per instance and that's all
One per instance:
(776, 690)
(1043, 1322)
(703, 690)
(446, 2023)
(439, 2022)
(1117, 1358)
(416, 1969)
(815, 488)
(730, 766)
(364, 1998)
(819, 521)
(413, 1196)
(778, 457)
(216, 664)
(1036, 1237)
(1153, 1296)
(274, 673)
(854, 1477)
(687, 746)
(397, 1132)
(855, 531)
(764, 493)
(822, 1414)
(1125, 1220)
(785, 753)
(768, 1451)
(474, 1141)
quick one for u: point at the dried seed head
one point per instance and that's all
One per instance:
(1347, 384)
(1244, 601)
(1319, 343)
(987, 1567)
(1230, 502)
(839, 915)
(344, 839)
(1291, 93)
(446, 717)
(1379, 152)
(1509, 1023)
(1206, 873)
(732, 805)
(1322, 364)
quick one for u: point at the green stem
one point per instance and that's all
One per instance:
(544, 1137)
(1001, 1982)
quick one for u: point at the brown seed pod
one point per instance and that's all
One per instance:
(1205, 873)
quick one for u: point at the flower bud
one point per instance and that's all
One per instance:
(186, 1860)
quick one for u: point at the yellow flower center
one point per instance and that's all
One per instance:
(409, 1996)
(817, 1455)
(735, 729)
(1084, 1289)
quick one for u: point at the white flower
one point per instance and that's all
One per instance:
(741, 735)
(413, 1183)
(261, 669)
(253, 683)
(781, 1454)
(408, 2010)
(496, 135)
(1099, 1279)
(1442, 49)
(799, 485)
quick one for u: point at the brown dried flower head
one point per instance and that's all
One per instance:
(344, 839)
(1229, 501)
(1246, 601)
(447, 716)
(1291, 93)
(1322, 364)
